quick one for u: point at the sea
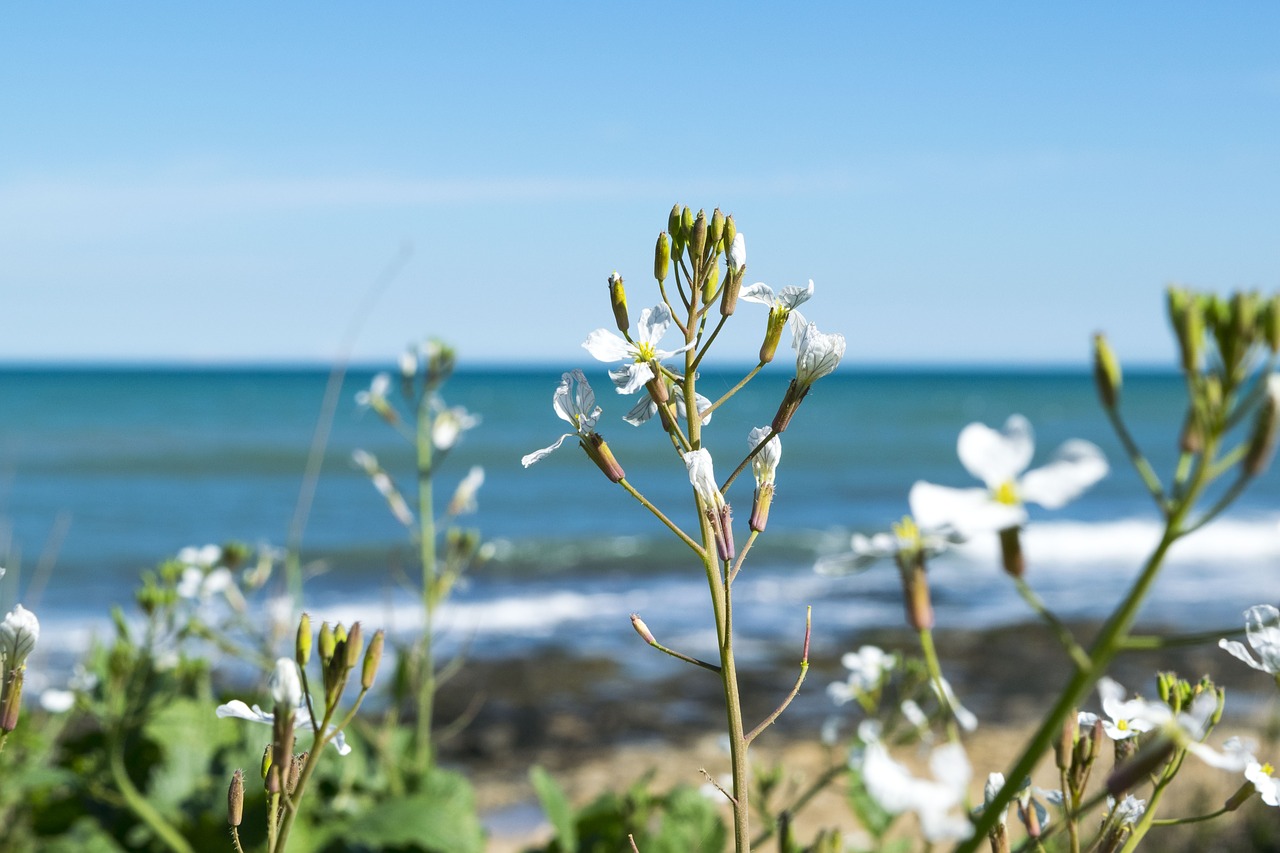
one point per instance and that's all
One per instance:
(107, 471)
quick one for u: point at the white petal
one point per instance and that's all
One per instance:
(57, 701)
(630, 378)
(702, 476)
(653, 323)
(758, 292)
(838, 565)
(793, 296)
(644, 409)
(968, 511)
(239, 710)
(1262, 623)
(738, 253)
(1238, 650)
(607, 346)
(538, 455)
(1076, 466)
(993, 457)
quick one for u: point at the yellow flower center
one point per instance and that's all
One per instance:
(645, 352)
(908, 533)
(1268, 769)
(1122, 725)
(1007, 494)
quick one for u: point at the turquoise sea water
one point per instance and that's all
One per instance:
(104, 472)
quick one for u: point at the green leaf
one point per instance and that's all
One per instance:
(556, 806)
(441, 817)
(689, 823)
(188, 734)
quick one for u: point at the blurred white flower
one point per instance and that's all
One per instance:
(464, 497)
(205, 557)
(610, 346)
(1129, 810)
(963, 716)
(375, 397)
(57, 701)
(867, 667)
(999, 459)
(1264, 781)
(1125, 718)
(197, 584)
(449, 425)
(18, 635)
(301, 720)
(1262, 627)
(285, 685)
(896, 791)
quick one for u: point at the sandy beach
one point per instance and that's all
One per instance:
(594, 732)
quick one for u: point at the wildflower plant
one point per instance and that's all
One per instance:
(699, 265)
(433, 429)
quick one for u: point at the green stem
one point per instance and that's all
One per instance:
(736, 388)
(1139, 460)
(141, 806)
(1077, 653)
(684, 537)
(1143, 642)
(795, 690)
(427, 551)
(710, 340)
(1178, 821)
(939, 687)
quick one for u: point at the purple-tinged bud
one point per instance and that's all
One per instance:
(657, 387)
(372, 658)
(1011, 556)
(618, 299)
(915, 590)
(722, 526)
(642, 629)
(787, 409)
(11, 703)
(760, 504)
(1262, 441)
(600, 454)
(235, 799)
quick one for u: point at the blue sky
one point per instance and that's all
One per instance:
(963, 182)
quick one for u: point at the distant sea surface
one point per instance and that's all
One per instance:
(105, 472)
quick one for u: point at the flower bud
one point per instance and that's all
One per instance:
(674, 225)
(440, 361)
(354, 647)
(1128, 774)
(266, 762)
(915, 590)
(642, 629)
(1262, 441)
(662, 258)
(296, 764)
(600, 454)
(327, 643)
(11, 698)
(787, 408)
(285, 686)
(772, 334)
(302, 648)
(372, 658)
(698, 237)
(1011, 557)
(1106, 372)
(715, 231)
(1064, 746)
(760, 504)
(686, 226)
(235, 799)
(711, 288)
(730, 231)
(1187, 318)
(618, 299)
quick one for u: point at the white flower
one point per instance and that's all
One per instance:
(18, 635)
(1264, 781)
(376, 395)
(449, 424)
(408, 363)
(1128, 811)
(765, 463)
(780, 305)
(464, 497)
(575, 402)
(610, 346)
(1262, 626)
(205, 557)
(1125, 717)
(998, 458)
(57, 701)
(285, 685)
(301, 720)
(897, 791)
(382, 482)
(197, 584)
(995, 781)
(867, 669)
(703, 478)
(963, 716)
(645, 408)
(907, 537)
(737, 257)
(817, 354)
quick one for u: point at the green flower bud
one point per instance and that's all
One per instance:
(730, 231)
(716, 230)
(266, 762)
(1106, 372)
(618, 299)
(327, 643)
(698, 237)
(712, 286)
(354, 647)
(1186, 315)
(674, 225)
(662, 258)
(372, 658)
(686, 226)
(303, 646)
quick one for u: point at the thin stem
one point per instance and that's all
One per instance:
(709, 341)
(1068, 641)
(804, 670)
(742, 555)
(683, 657)
(1144, 642)
(736, 388)
(427, 555)
(684, 537)
(1232, 492)
(939, 685)
(140, 805)
(746, 460)
(1139, 460)
(1069, 799)
(1178, 821)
